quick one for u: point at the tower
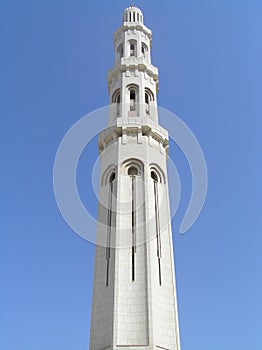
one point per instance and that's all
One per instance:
(134, 293)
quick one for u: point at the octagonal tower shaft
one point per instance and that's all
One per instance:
(134, 293)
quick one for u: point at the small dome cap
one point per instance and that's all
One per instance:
(133, 15)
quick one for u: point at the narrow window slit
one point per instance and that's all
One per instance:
(159, 271)
(133, 172)
(132, 100)
(158, 236)
(132, 49)
(109, 226)
(133, 228)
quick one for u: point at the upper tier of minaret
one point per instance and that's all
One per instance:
(133, 23)
(133, 81)
(133, 87)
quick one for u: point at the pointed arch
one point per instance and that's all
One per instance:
(116, 99)
(133, 94)
(157, 174)
(132, 166)
(132, 48)
(116, 96)
(109, 175)
(144, 50)
(149, 97)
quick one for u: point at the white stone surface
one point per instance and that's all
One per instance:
(134, 310)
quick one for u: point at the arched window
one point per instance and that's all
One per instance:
(116, 96)
(146, 98)
(154, 176)
(132, 49)
(108, 176)
(132, 171)
(132, 99)
(132, 167)
(147, 102)
(116, 99)
(112, 177)
(120, 51)
(156, 173)
(149, 96)
(144, 49)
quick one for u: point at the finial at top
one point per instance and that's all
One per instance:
(133, 14)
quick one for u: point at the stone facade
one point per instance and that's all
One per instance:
(134, 294)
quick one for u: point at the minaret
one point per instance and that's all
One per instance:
(134, 294)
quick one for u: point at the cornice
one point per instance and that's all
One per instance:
(126, 64)
(112, 134)
(131, 26)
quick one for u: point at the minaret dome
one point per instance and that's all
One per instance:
(133, 14)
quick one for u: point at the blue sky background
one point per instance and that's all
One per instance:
(54, 60)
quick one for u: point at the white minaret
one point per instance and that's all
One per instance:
(134, 295)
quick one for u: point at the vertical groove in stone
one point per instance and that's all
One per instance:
(133, 228)
(109, 226)
(158, 236)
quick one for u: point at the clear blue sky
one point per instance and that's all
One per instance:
(55, 57)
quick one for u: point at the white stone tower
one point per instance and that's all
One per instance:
(134, 295)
